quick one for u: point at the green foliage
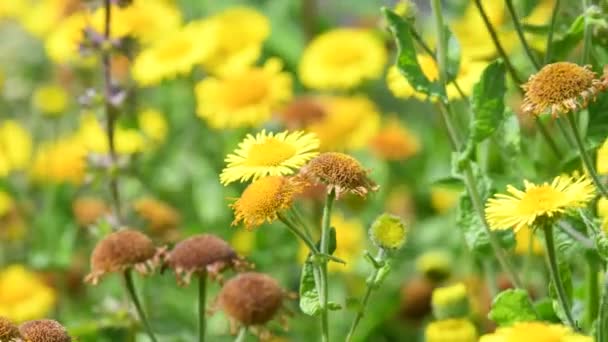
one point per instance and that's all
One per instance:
(512, 306)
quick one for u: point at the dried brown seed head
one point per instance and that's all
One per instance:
(251, 298)
(340, 172)
(303, 111)
(8, 330)
(44, 330)
(120, 251)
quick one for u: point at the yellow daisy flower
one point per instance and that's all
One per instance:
(15, 147)
(451, 330)
(535, 331)
(468, 74)
(153, 123)
(245, 98)
(562, 87)
(264, 199)
(349, 123)
(93, 136)
(59, 161)
(149, 21)
(342, 59)
(174, 55)
(269, 154)
(42, 16)
(602, 159)
(536, 202)
(61, 45)
(23, 294)
(51, 100)
(236, 47)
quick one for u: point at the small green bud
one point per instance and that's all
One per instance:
(388, 232)
(434, 265)
(450, 302)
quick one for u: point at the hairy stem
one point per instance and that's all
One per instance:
(128, 276)
(325, 235)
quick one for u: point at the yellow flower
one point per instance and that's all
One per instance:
(63, 160)
(264, 199)
(450, 301)
(395, 142)
(537, 202)
(51, 100)
(349, 123)
(12, 9)
(152, 122)
(523, 238)
(451, 330)
(174, 55)
(6, 203)
(15, 147)
(435, 265)
(468, 74)
(23, 295)
(562, 87)
(342, 58)
(244, 98)
(602, 159)
(388, 232)
(62, 43)
(444, 198)
(534, 332)
(149, 21)
(234, 47)
(42, 16)
(243, 242)
(269, 154)
(95, 139)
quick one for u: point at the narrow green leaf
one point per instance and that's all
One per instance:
(407, 62)
(512, 306)
(565, 44)
(309, 296)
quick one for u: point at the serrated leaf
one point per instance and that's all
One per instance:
(309, 296)
(512, 306)
(407, 61)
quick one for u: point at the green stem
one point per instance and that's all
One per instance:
(368, 292)
(490, 274)
(202, 296)
(520, 34)
(549, 48)
(242, 334)
(292, 228)
(548, 138)
(584, 156)
(592, 307)
(133, 295)
(323, 295)
(602, 319)
(556, 277)
(586, 35)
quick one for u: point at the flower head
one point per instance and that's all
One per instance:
(264, 199)
(244, 98)
(88, 210)
(153, 124)
(450, 301)
(201, 253)
(562, 87)
(63, 160)
(535, 331)
(340, 173)
(123, 250)
(388, 232)
(51, 100)
(24, 295)
(434, 265)
(15, 147)
(269, 154)
(537, 202)
(8, 330)
(342, 59)
(395, 142)
(302, 112)
(160, 216)
(451, 330)
(44, 330)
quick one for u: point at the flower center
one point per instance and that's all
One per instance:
(271, 152)
(245, 90)
(263, 198)
(347, 55)
(541, 199)
(174, 49)
(560, 81)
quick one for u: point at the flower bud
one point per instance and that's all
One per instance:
(450, 302)
(388, 232)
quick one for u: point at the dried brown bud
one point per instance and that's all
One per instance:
(8, 330)
(44, 330)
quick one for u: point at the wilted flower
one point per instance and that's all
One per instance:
(264, 199)
(44, 330)
(269, 154)
(340, 173)
(8, 330)
(562, 87)
(388, 232)
(202, 254)
(121, 251)
(88, 210)
(302, 112)
(342, 59)
(416, 298)
(395, 142)
(244, 98)
(537, 202)
(24, 295)
(451, 330)
(160, 216)
(535, 331)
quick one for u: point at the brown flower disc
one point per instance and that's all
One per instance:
(8, 330)
(44, 330)
(121, 249)
(197, 252)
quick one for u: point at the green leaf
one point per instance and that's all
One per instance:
(382, 274)
(509, 137)
(487, 105)
(407, 62)
(453, 54)
(565, 44)
(309, 296)
(333, 243)
(512, 306)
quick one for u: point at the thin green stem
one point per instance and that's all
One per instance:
(490, 274)
(368, 292)
(549, 49)
(520, 34)
(585, 156)
(602, 319)
(586, 35)
(133, 295)
(556, 277)
(442, 57)
(242, 335)
(548, 138)
(202, 297)
(565, 132)
(592, 307)
(325, 236)
(298, 233)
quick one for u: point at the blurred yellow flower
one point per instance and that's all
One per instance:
(234, 47)
(149, 21)
(153, 123)
(63, 160)
(13, 9)
(15, 147)
(95, 140)
(243, 241)
(602, 212)
(435, 265)
(444, 198)
(534, 331)
(6, 203)
(450, 301)
(395, 141)
(602, 159)
(451, 330)
(171, 56)
(523, 238)
(23, 294)
(51, 100)
(468, 74)
(245, 98)
(342, 58)
(349, 123)
(62, 43)
(42, 16)
(269, 154)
